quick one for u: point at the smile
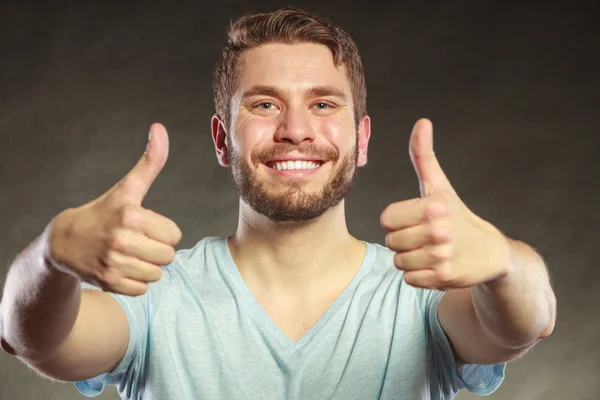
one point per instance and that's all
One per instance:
(294, 165)
(294, 169)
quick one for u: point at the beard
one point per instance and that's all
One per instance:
(295, 204)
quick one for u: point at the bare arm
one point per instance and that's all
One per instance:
(499, 299)
(95, 345)
(111, 242)
(54, 327)
(500, 320)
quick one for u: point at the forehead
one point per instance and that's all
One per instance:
(290, 67)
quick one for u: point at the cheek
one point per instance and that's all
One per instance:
(339, 132)
(249, 132)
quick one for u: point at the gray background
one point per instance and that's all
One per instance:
(513, 92)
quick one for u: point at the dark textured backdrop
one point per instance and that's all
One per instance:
(513, 92)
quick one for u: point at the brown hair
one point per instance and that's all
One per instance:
(289, 26)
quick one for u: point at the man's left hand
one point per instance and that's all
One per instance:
(439, 242)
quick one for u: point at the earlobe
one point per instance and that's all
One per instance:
(219, 135)
(364, 134)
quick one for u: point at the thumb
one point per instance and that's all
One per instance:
(135, 185)
(429, 172)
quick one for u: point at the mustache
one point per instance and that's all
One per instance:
(263, 155)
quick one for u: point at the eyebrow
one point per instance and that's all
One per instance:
(327, 90)
(315, 91)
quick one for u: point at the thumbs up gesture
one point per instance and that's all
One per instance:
(439, 242)
(113, 242)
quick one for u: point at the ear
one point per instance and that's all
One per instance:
(364, 134)
(219, 135)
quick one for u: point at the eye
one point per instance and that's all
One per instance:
(266, 105)
(322, 106)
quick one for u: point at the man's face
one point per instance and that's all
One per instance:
(293, 148)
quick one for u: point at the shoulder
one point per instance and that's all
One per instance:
(380, 262)
(383, 266)
(382, 256)
(189, 270)
(205, 253)
(209, 246)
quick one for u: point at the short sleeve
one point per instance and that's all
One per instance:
(128, 373)
(477, 379)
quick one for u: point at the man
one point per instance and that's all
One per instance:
(291, 305)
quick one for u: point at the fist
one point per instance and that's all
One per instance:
(113, 242)
(439, 242)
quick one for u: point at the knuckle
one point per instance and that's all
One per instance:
(118, 241)
(129, 216)
(169, 255)
(436, 208)
(108, 277)
(178, 234)
(438, 234)
(436, 254)
(139, 290)
(441, 286)
(445, 276)
(439, 204)
(174, 234)
(399, 260)
(409, 279)
(111, 279)
(413, 280)
(156, 274)
(389, 240)
(439, 253)
(385, 218)
(110, 260)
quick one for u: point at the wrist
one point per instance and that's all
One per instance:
(504, 260)
(54, 238)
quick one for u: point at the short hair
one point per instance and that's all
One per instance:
(288, 26)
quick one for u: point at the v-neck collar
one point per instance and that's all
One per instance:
(260, 315)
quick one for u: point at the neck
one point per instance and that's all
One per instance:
(294, 255)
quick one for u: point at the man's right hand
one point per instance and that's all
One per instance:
(113, 242)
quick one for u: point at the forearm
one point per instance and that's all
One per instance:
(39, 305)
(519, 308)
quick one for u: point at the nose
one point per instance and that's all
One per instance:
(295, 127)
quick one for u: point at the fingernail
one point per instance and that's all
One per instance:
(149, 139)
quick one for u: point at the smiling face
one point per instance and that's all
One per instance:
(293, 147)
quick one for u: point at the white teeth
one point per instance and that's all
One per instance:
(284, 165)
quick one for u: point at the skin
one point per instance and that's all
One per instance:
(298, 266)
(293, 258)
(499, 300)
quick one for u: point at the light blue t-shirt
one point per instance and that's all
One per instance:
(198, 333)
